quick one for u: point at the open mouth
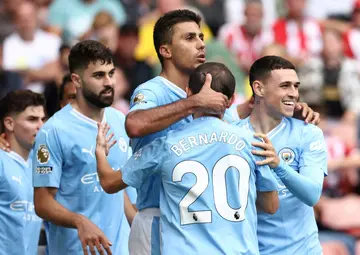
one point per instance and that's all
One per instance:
(201, 57)
(289, 103)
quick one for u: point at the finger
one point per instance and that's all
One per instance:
(298, 106)
(316, 119)
(91, 248)
(208, 79)
(260, 135)
(112, 144)
(84, 247)
(264, 162)
(99, 247)
(107, 128)
(263, 153)
(305, 110)
(109, 137)
(106, 244)
(264, 146)
(309, 116)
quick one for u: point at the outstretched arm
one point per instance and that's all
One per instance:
(147, 121)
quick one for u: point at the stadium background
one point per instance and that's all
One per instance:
(322, 37)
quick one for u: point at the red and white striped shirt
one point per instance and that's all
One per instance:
(237, 40)
(352, 43)
(299, 41)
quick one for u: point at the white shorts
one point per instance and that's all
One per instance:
(145, 233)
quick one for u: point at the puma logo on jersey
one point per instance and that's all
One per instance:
(88, 151)
(17, 179)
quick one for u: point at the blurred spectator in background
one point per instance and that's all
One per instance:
(214, 19)
(246, 41)
(300, 35)
(332, 80)
(323, 9)
(145, 49)
(136, 71)
(67, 91)
(9, 81)
(31, 51)
(7, 16)
(352, 36)
(104, 29)
(120, 89)
(73, 18)
(135, 9)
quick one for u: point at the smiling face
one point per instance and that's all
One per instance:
(187, 48)
(279, 92)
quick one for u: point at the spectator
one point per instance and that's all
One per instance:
(300, 35)
(31, 51)
(67, 91)
(7, 15)
(352, 35)
(246, 41)
(72, 18)
(213, 11)
(332, 79)
(136, 71)
(136, 9)
(120, 89)
(104, 29)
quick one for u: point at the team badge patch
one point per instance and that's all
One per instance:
(42, 154)
(287, 154)
(122, 144)
(139, 98)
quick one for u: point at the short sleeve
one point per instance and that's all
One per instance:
(47, 159)
(144, 163)
(143, 99)
(314, 153)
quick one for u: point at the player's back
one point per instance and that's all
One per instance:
(208, 194)
(65, 159)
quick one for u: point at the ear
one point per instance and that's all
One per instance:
(258, 88)
(9, 124)
(231, 101)
(188, 91)
(165, 51)
(75, 78)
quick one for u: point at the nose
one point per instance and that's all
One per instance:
(201, 44)
(293, 93)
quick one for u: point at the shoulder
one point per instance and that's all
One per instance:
(111, 111)
(307, 130)
(12, 38)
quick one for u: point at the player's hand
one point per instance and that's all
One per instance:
(304, 112)
(4, 145)
(103, 143)
(91, 236)
(244, 110)
(272, 159)
(209, 100)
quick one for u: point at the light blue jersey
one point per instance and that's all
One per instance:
(293, 230)
(208, 187)
(64, 158)
(153, 93)
(19, 225)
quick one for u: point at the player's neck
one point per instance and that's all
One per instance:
(262, 121)
(88, 110)
(179, 79)
(16, 147)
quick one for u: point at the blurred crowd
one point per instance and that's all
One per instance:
(321, 37)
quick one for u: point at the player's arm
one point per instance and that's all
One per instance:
(306, 184)
(141, 122)
(267, 202)
(47, 171)
(130, 210)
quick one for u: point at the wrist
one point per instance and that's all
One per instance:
(100, 151)
(194, 103)
(77, 220)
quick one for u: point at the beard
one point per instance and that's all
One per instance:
(100, 100)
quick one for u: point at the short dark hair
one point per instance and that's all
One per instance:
(87, 51)
(262, 67)
(17, 101)
(222, 79)
(163, 30)
(66, 79)
(129, 29)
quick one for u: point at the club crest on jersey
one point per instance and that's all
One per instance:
(122, 144)
(287, 154)
(42, 154)
(139, 98)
